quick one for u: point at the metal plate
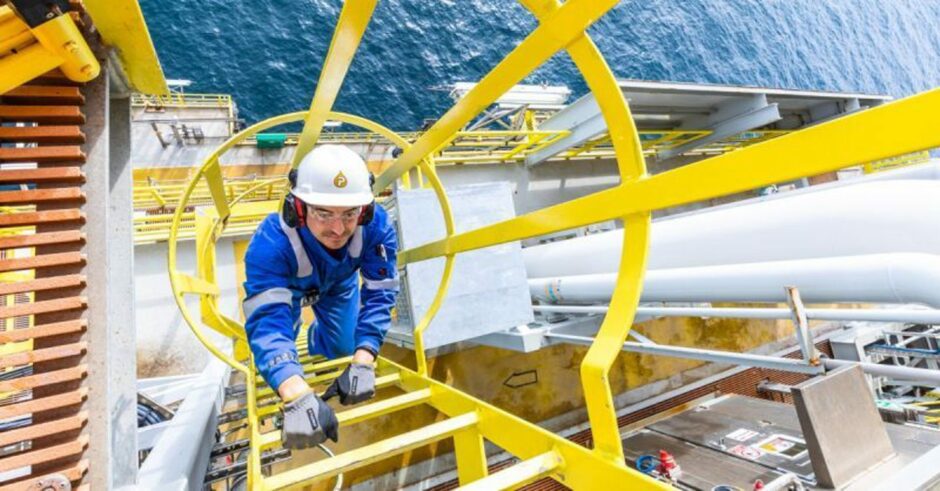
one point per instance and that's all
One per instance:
(488, 290)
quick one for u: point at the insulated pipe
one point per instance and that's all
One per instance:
(875, 278)
(909, 316)
(869, 218)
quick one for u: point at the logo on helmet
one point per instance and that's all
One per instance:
(340, 180)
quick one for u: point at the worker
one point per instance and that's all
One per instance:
(329, 228)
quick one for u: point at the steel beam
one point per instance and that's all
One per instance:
(737, 116)
(180, 457)
(582, 118)
(910, 316)
(770, 362)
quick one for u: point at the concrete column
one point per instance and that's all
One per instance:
(122, 352)
(112, 402)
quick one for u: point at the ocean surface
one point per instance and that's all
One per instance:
(268, 53)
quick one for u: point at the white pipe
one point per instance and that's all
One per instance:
(910, 316)
(868, 218)
(876, 278)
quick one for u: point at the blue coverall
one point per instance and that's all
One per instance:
(288, 269)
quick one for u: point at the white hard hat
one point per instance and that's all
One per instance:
(333, 175)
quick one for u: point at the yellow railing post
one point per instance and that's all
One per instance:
(350, 27)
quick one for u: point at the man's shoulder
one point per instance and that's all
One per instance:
(269, 232)
(381, 224)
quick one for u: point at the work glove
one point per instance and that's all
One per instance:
(308, 421)
(354, 385)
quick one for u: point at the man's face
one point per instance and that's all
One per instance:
(333, 225)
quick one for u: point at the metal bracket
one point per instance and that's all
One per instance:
(37, 12)
(804, 336)
(55, 482)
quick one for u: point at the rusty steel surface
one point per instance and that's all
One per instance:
(43, 345)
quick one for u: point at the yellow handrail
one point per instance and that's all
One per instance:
(179, 99)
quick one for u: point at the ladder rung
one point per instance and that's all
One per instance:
(43, 307)
(44, 404)
(43, 331)
(44, 238)
(38, 217)
(362, 413)
(43, 379)
(41, 430)
(36, 195)
(49, 454)
(328, 364)
(380, 383)
(317, 367)
(368, 454)
(518, 474)
(44, 354)
(313, 381)
(41, 261)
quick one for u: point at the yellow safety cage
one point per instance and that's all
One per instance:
(896, 128)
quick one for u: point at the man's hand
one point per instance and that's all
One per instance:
(354, 385)
(308, 421)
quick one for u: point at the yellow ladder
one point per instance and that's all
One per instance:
(897, 128)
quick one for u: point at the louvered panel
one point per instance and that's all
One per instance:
(44, 331)
(37, 217)
(72, 473)
(49, 454)
(43, 404)
(42, 261)
(43, 379)
(45, 354)
(42, 114)
(44, 94)
(45, 238)
(44, 385)
(40, 195)
(55, 134)
(42, 430)
(64, 153)
(42, 284)
(44, 174)
(43, 307)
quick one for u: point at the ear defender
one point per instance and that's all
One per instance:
(293, 211)
(368, 211)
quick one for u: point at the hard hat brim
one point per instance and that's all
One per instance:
(335, 199)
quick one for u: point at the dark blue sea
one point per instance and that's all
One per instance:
(268, 53)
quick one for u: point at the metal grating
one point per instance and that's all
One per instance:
(42, 278)
(742, 383)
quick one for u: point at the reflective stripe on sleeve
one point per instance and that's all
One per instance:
(386, 284)
(271, 295)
